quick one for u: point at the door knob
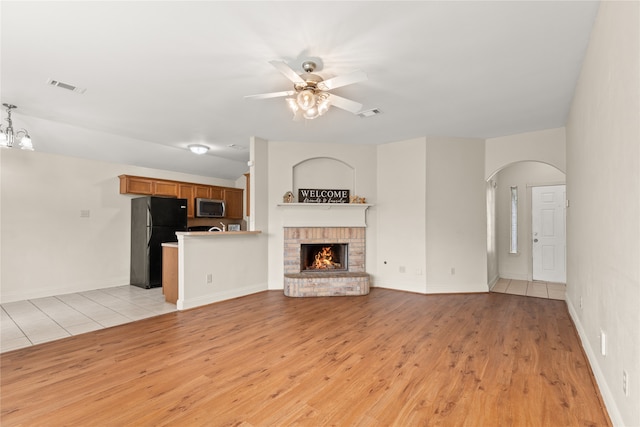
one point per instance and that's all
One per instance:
(535, 240)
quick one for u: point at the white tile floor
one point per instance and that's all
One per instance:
(25, 323)
(548, 290)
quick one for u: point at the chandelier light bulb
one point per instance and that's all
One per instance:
(293, 105)
(306, 99)
(25, 143)
(323, 105)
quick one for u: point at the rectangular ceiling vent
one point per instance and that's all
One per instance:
(67, 86)
(236, 147)
(369, 113)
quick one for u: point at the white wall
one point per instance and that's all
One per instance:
(522, 175)
(47, 248)
(456, 216)
(281, 158)
(401, 206)
(237, 263)
(603, 188)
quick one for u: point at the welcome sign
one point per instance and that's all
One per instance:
(309, 195)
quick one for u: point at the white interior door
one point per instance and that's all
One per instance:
(549, 237)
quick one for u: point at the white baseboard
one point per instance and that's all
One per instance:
(607, 396)
(220, 296)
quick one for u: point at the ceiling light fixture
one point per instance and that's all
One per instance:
(8, 138)
(310, 101)
(198, 148)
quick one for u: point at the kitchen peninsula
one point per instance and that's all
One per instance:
(215, 266)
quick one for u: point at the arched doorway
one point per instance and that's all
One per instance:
(510, 228)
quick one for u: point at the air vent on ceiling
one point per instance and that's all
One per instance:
(236, 147)
(369, 113)
(67, 86)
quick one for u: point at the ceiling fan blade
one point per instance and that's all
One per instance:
(345, 104)
(271, 95)
(288, 72)
(346, 79)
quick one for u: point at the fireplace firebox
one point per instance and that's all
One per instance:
(324, 257)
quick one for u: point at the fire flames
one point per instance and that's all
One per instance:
(324, 260)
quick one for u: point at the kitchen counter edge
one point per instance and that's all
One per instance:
(215, 233)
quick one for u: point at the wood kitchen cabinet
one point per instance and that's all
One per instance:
(202, 191)
(185, 191)
(247, 197)
(233, 202)
(148, 186)
(130, 184)
(136, 185)
(217, 193)
(170, 272)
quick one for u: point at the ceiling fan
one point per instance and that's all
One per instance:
(310, 97)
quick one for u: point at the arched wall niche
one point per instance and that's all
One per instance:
(323, 172)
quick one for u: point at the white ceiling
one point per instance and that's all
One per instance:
(161, 75)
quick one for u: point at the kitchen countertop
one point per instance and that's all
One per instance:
(215, 233)
(170, 244)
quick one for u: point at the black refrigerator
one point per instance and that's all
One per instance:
(154, 220)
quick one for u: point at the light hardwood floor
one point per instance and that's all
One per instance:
(387, 359)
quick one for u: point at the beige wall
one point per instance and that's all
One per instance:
(603, 219)
(546, 146)
(47, 248)
(456, 216)
(401, 207)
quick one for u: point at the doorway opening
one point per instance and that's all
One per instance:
(511, 254)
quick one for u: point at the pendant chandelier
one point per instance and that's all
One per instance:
(8, 137)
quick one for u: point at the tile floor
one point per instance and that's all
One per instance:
(25, 323)
(532, 289)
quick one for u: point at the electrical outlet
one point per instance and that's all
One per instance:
(625, 383)
(85, 213)
(209, 278)
(453, 271)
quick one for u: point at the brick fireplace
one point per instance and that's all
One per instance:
(346, 277)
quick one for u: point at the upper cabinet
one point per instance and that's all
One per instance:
(147, 186)
(184, 190)
(233, 203)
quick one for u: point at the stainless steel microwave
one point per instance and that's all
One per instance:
(209, 208)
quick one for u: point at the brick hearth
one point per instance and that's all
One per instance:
(355, 281)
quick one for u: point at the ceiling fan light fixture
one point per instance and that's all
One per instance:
(310, 97)
(198, 148)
